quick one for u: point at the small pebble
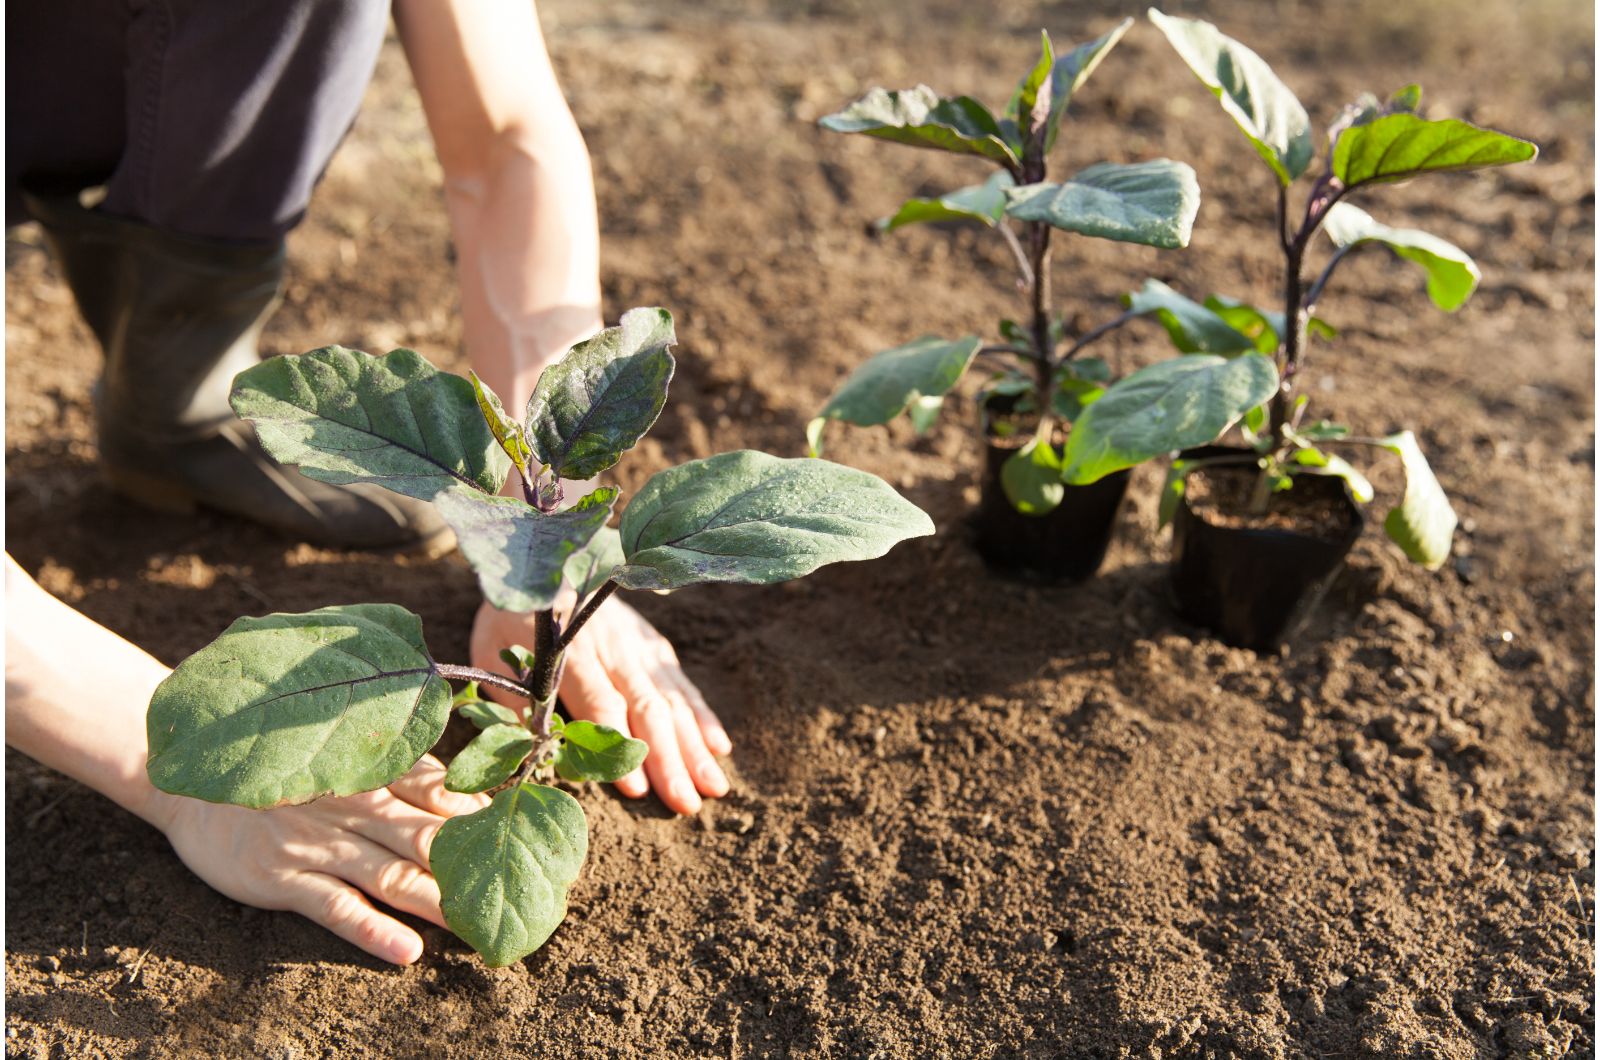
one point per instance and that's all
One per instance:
(49, 964)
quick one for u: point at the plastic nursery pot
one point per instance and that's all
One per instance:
(1255, 585)
(1069, 543)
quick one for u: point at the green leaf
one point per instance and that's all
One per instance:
(924, 412)
(485, 714)
(1452, 274)
(1171, 405)
(750, 517)
(517, 551)
(1066, 74)
(1073, 395)
(468, 694)
(591, 406)
(1315, 462)
(507, 431)
(985, 203)
(598, 752)
(1151, 203)
(289, 708)
(590, 567)
(490, 759)
(1398, 146)
(891, 381)
(1087, 369)
(1031, 478)
(1423, 524)
(1250, 93)
(1261, 326)
(1171, 492)
(920, 117)
(1323, 430)
(1192, 327)
(343, 416)
(504, 871)
(518, 658)
(1020, 113)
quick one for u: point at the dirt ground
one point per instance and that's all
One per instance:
(970, 818)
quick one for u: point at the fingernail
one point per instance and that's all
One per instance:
(684, 794)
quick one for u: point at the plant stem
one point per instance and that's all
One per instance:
(586, 612)
(483, 677)
(1327, 273)
(1094, 334)
(1294, 325)
(546, 655)
(1039, 237)
(1017, 252)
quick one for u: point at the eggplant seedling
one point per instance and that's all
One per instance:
(288, 708)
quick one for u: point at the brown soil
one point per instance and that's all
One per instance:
(969, 818)
(1316, 508)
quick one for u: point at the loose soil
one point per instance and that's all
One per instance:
(1315, 508)
(969, 818)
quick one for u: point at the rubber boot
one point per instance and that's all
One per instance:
(178, 318)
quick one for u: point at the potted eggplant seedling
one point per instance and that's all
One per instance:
(292, 707)
(1051, 416)
(1260, 531)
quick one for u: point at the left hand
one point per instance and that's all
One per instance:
(621, 672)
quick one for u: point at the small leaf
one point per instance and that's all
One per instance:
(1171, 405)
(1322, 431)
(517, 551)
(1073, 395)
(598, 752)
(1399, 146)
(1250, 93)
(485, 714)
(1031, 478)
(590, 567)
(504, 871)
(1172, 492)
(985, 203)
(591, 406)
(343, 416)
(920, 117)
(1452, 274)
(1423, 524)
(924, 412)
(1020, 111)
(1016, 334)
(1192, 327)
(1314, 462)
(517, 658)
(1262, 326)
(1071, 70)
(1087, 369)
(468, 694)
(490, 759)
(289, 708)
(507, 431)
(749, 517)
(889, 382)
(1151, 203)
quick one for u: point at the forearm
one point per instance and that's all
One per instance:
(76, 695)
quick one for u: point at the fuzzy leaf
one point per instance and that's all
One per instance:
(886, 384)
(517, 551)
(1423, 524)
(1250, 93)
(504, 871)
(1452, 274)
(1151, 203)
(490, 759)
(597, 752)
(1170, 405)
(485, 714)
(344, 416)
(749, 517)
(591, 406)
(590, 567)
(1071, 70)
(289, 708)
(985, 203)
(1031, 478)
(920, 117)
(507, 431)
(1399, 146)
(1192, 327)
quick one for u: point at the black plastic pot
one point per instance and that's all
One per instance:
(1068, 543)
(1255, 586)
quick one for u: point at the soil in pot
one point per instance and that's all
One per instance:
(1253, 578)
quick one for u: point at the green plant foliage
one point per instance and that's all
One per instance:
(507, 431)
(1252, 95)
(289, 708)
(343, 416)
(590, 567)
(1423, 524)
(1031, 478)
(504, 871)
(1310, 461)
(1065, 74)
(984, 203)
(920, 117)
(749, 517)
(1149, 203)
(591, 406)
(892, 382)
(1170, 405)
(597, 752)
(1193, 328)
(1452, 275)
(518, 552)
(490, 759)
(484, 714)
(1399, 146)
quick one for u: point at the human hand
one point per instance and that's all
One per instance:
(321, 859)
(621, 672)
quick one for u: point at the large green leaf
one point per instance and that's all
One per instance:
(1248, 90)
(1031, 478)
(1423, 524)
(985, 203)
(1171, 405)
(490, 759)
(1192, 327)
(590, 567)
(597, 752)
(519, 552)
(591, 406)
(750, 517)
(504, 871)
(1452, 274)
(344, 416)
(920, 117)
(889, 382)
(1151, 203)
(288, 708)
(1398, 146)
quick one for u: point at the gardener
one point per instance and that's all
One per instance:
(207, 126)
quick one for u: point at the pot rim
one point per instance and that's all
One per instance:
(1358, 521)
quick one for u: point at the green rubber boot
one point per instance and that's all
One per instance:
(178, 318)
